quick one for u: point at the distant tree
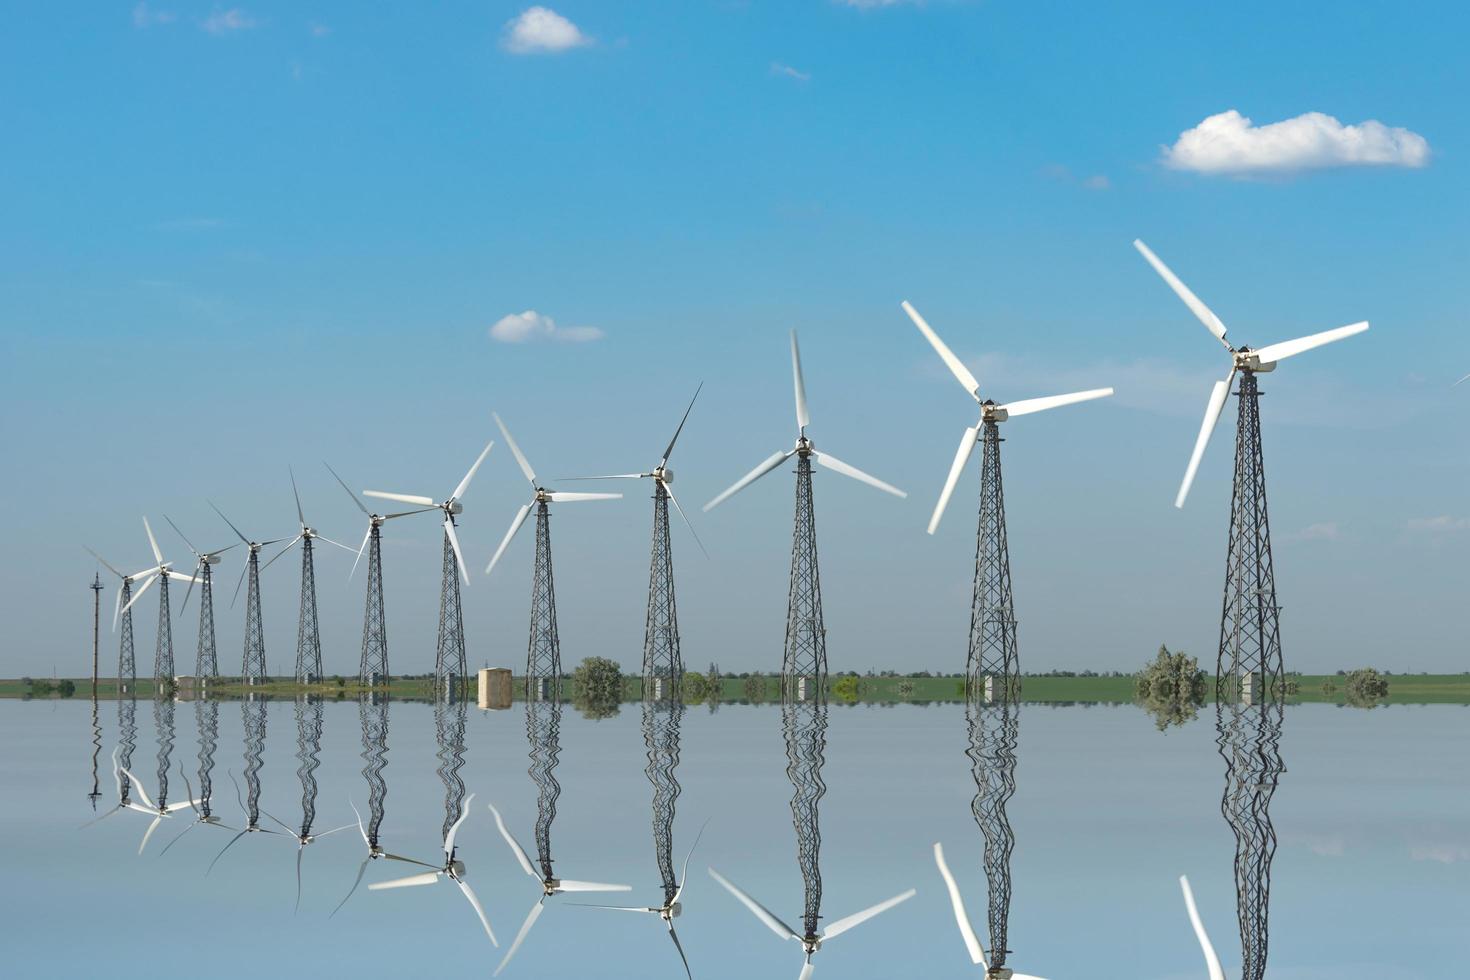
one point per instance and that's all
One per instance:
(341, 681)
(905, 689)
(1365, 687)
(715, 687)
(66, 688)
(597, 687)
(27, 681)
(695, 688)
(1171, 688)
(847, 689)
(755, 687)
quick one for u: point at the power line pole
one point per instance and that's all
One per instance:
(96, 588)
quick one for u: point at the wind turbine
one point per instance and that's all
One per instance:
(452, 869)
(159, 811)
(811, 939)
(308, 636)
(543, 657)
(805, 654)
(992, 653)
(253, 670)
(1212, 962)
(374, 852)
(449, 660)
(550, 885)
(253, 719)
(206, 658)
(163, 652)
(662, 660)
(1250, 642)
(126, 671)
(373, 668)
(967, 932)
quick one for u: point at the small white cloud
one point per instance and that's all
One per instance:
(1097, 182)
(318, 30)
(520, 328)
(1324, 531)
(146, 16)
(228, 21)
(1439, 853)
(1439, 525)
(786, 71)
(541, 30)
(1062, 173)
(1229, 143)
(872, 4)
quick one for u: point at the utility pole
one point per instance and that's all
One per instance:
(96, 588)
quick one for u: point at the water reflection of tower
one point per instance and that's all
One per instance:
(206, 719)
(1249, 739)
(127, 741)
(992, 752)
(253, 711)
(163, 725)
(372, 711)
(661, 738)
(96, 792)
(449, 723)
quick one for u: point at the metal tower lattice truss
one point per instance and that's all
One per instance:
(163, 652)
(805, 727)
(127, 741)
(543, 656)
(308, 637)
(127, 671)
(661, 721)
(543, 732)
(253, 712)
(449, 723)
(253, 670)
(373, 713)
(663, 663)
(1250, 634)
(804, 660)
(992, 752)
(206, 718)
(374, 664)
(1249, 739)
(449, 660)
(308, 757)
(992, 610)
(163, 726)
(206, 656)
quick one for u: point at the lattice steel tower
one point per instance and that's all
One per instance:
(543, 732)
(374, 663)
(804, 658)
(127, 671)
(253, 671)
(663, 663)
(804, 725)
(992, 753)
(543, 657)
(206, 656)
(449, 724)
(449, 658)
(992, 653)
(206, 718)
(163, 651)
(372, 711)
(1249, 739)
(661, 720)
(308, 636)
(163, 728)
(1250, 634)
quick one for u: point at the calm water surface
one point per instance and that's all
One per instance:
(1370, 874)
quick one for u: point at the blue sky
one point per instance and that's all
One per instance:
(238, 238)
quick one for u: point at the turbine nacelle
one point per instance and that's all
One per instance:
(1247, 359)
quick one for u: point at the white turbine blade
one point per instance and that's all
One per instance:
(617, 908)
(670, 450)
(955, 365)
(469, 893)
(1213, 408)
(565, 885)
(515, 525)
(295, 493)
(403, 498)
(1289, 348)
(176, 807)
(454, 543)
(138, 786)
(967, 932)
(566, 497)
(1455, 385)
(768, 464)
(323, 537)
(515, 847)
(1028, 406)
(152, 541)
(454, 829)
(847, 469)
(190, 590)
(147, 571)
(278, 554)
(360, 550)
(760, 911)
(684, 871)
(606, 476)
(803, 417)
(515, 451)
(139, 594)
(360, 828)
(837, 928)
(227, 521)
(464, 484)
(961, 457)
(1212, 962)
(116, 609)
(807, 969)
(148, 834)
(525, 930)
(1204, 313)
(412, 881)
(1025, 976)
(105, 563)
(357, 502)
(181, 577)
(680, 947)
(695, 534)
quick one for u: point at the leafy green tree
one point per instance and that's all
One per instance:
(847, 688)
(715, 683)
(597, 687)
(66, 688)
(755, 688)
(1171, 688)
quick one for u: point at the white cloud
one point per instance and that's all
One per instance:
(541, 30)
(1323, 531)
(1229, 143)
(146, 16)
(788, 72)
(1439, 853)
(520, 328)
(1063, 173)
(318, 30)
(228, 21)
(1097, 182)
(871, 4)
(1439, 525)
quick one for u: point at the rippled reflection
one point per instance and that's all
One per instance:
(253, 719)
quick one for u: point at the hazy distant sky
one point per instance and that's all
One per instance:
(237, 238)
